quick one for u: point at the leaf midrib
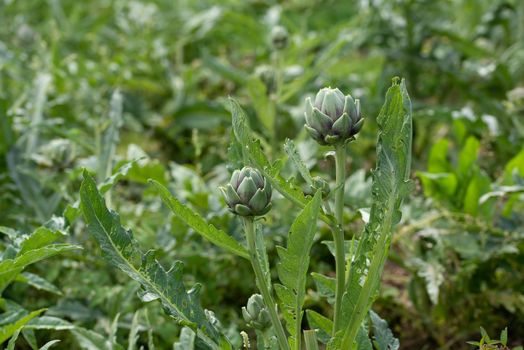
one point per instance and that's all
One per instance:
(149, 283)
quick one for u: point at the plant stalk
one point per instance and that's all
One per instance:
(262, 284)
(338, 232)
(310, 339)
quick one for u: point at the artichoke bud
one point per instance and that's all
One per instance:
(266, 74)
(322, 185)
(248, 193)
(316, 184)
(333, 118)
(279, 37)
(256, 314)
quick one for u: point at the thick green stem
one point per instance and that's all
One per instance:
(263, 285)
(310, 338)
(338, 232)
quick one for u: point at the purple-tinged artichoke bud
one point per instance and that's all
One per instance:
(333, 118)
(256, 314)
(248, 193)
(279, 37)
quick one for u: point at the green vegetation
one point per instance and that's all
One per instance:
(370, 156)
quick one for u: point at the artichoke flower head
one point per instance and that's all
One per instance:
(256, 314)
(248, 193)
(333, 118)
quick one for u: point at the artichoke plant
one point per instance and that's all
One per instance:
(248, 193)
(333, 118)
(256, 314)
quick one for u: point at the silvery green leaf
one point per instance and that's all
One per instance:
(390, 185)
(294, 156)
(186, 340)
(120, 249)
(382, 335)
(197, 223)
(293, 266)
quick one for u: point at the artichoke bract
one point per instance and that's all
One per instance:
(333, 118)
(256, 314)
(248, 193)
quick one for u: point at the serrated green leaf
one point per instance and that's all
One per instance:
(325, 286)
(41, 237)
(294, 156)
(322, 324)
(382, 335)
(433, 275)
(363, 341)
(120, 249)
(293, 266)
(197, 223)
(255, 156)
(504, 336)
(390, 185)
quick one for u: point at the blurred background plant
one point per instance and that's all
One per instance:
(134, 90)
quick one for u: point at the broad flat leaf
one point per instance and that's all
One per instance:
(293, 266)
(467, 158)
(390, 185)
(439, 185)
(477, 186)
(438, 158)
(516, 164)
(255, 156)
(7, 331)
(120, 249)
(197, 223)
(382, 335)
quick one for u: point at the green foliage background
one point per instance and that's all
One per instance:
(137, 90)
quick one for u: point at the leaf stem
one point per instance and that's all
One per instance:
(338, 232)
(262, 283)
(310, 338)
